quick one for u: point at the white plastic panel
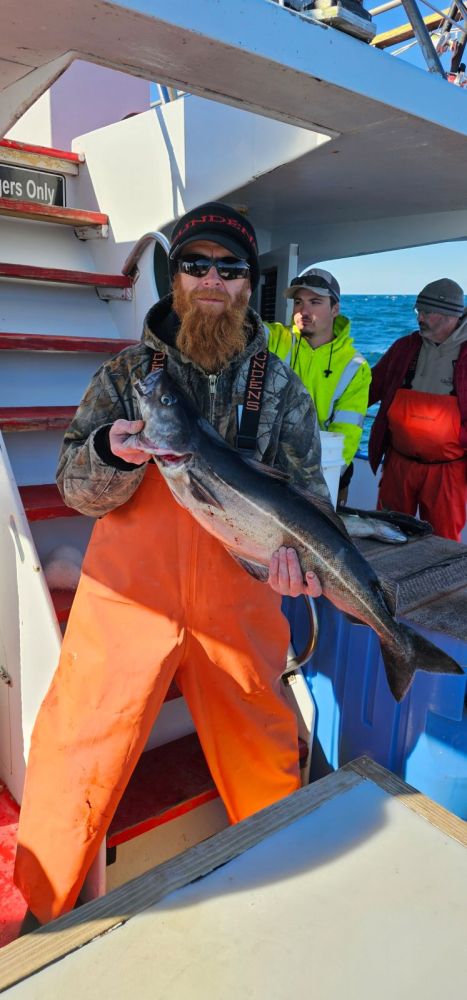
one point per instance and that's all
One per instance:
(173, 722)
(31, 307)
(43, 244)
(49, 534)
(34, 455)
(331, 461)
(46, 379)
(28, 628)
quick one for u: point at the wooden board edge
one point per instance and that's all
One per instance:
(410, 797)
(30, 954)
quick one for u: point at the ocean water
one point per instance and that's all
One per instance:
(376, 322)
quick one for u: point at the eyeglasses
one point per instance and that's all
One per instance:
(228, 268)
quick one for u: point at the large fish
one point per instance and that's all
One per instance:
(253, 510)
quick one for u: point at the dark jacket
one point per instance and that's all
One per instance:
(388, 376)
(94, 481)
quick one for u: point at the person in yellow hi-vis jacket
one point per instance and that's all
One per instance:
(318, 347)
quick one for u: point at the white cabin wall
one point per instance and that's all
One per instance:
(149, 169)
(84, 98)
(224, 143)
(146, 171)
(35, 126)
(88, 96)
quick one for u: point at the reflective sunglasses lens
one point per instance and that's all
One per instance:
(196, 267)
(228, 270)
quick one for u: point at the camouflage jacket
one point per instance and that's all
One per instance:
(94, 481)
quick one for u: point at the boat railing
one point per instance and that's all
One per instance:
(166, 95)
(140, 246)
(439, 33)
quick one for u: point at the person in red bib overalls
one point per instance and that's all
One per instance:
(421, 426)
(159, 598)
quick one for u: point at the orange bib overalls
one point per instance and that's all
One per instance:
(158, 598)
(425, 466)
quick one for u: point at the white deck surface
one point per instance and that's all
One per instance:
(362, 898)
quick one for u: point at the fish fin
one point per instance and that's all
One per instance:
(414, 653)
(257, 570)
(200, 492)
(270, 471)
(390, 591)
(324, 505)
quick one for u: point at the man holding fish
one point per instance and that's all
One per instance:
(160, 598)
(172, 585)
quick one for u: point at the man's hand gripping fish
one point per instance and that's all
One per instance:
(253, 510)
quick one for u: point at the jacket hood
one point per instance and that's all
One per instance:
(340, 329)
(458, 337)
(434, 371)
(161, 326)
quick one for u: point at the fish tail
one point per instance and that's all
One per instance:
(413, 652)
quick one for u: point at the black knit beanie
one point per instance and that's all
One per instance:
(221, 224)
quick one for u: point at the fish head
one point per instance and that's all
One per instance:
(170, 422)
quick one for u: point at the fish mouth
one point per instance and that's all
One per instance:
(171, 459)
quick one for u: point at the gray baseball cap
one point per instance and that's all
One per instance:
(443, 296)
(314, 280)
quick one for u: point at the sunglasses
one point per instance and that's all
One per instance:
(228, 268)
(313, 281)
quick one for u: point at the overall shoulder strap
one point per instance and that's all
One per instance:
(249, 413)
(159, 361)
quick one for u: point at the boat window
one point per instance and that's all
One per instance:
(268, 294)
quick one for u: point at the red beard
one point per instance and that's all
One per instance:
(210, 339)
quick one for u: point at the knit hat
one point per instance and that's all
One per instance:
(442, 296)
(221, 224)
(315, 280)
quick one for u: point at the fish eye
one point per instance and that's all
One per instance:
(167, 400)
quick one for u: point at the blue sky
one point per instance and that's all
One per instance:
(400, 272)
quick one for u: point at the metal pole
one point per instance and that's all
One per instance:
(423, 37)
(384, 7)
(461, 8)
(456, 12)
